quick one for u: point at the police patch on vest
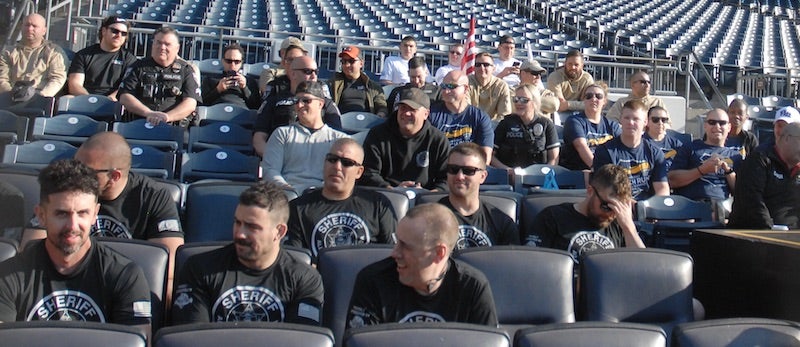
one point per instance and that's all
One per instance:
(538, 129)
(67, 305)
(421, 316)
(587, 241)
(423, 159)
(470, 236)
(248, 304)
(108, 226)
(339, 229)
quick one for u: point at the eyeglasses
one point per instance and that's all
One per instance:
(306, 100)
(333, 158)
(520, 100)
(233, 61)
(644, 81)
(467, 170)
(456, 52)
(536, 74)
(117, 32)
(657, 120)
(603, 203)
(450, 86)
(308, 71)
(483, 64)
(714, 122)
(347, 62)
(598, 96)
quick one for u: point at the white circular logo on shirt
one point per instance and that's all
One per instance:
(587, 241)
(423, 159)
(339, 229)
(67, 305)
(538, 129)
(470, 236)
(421, 316)
(108, 226)
(248, 304)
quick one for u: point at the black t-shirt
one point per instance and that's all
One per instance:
(244, 96)
(143, 211)
(520, 145)
(316, 222)
(103, 71)
(215, 287)
(563, 227)
(354, 97)
(487, 227)
(379, 297)
(106, 287)
(161, 88)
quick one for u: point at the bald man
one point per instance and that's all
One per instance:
(421, 282)
(640, 90)
(34, 61)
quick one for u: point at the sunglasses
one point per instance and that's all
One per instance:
(333, 158)
(306, 100)
(456, 52)
(233, 61)
(603, 203)
(534, 73)
(450, 86)
(483, 64)
(118, 32)
(644, 81)
(308, 71)
(598, 96)
(657, 120)
(347, 62)
(714, 122)
(520, 100)
(467, 170)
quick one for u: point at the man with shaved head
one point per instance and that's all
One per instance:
(420, 281)
(34, 61)
(640, 90)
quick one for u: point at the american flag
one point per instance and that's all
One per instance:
(468, 61)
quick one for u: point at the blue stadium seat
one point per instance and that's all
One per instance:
(70, 334)
(220, 135)
(243, 334)
(162, 136)
(70, 128)
(99, 107)
(37, 154)
(149, 161)
(219, 163)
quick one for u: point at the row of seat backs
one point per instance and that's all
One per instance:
(712, 333)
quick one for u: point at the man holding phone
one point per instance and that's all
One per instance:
(506, 66)
(232, 87)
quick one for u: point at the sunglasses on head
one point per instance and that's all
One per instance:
(714, 122)
(333, 158)
(657, 120)
(308, 71)
(483, 64)
(598, 96)
(449, 86)
(467, 170)
(520, 100)
(115, 31)
(233, 61)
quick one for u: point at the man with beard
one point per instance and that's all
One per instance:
(569, 81)
(420, 281)
(480, 223)
(339, 214)
(34, 61)
(352, 90)
(602, 220)
(68, 275)
(98, 69)
(489, 93)
(253, 278)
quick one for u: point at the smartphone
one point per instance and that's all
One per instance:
(516, 64)
(229, 73)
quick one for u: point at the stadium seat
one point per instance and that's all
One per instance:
(226, 113)
(496, 179)
(70, 128)
(187, 250)
(153, 258)
(532, 205)
(13, 129)
(737, 332)
(508, 202)
(221, 135)
(668, 221)
(774, 102)
(424, 334)
(749, 100)
(37, 106)
(532, 178)
(149, 161)
(26, 180)
(218, 196)
(399, 199)
(219, 163)
(651, 286)
(592, 334)
(243, 334)
(355, 122)
(37, 154)
(339, 267)
(210, 67)
(530, 285)
(99, 107)
(8, 248)
(162, 136)
(70, 334)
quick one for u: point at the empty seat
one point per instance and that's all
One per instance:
(99, 107)
(219, 163)
(149, 161)
(162, 136)
(70, 128)
(220, 197)
(592, 334)
(243, 334)
(426, 334)
(737, 332)
(534, 178)
(354, 122)
(8, 248)
(226, 113)
(70, 334)
(13, 129)
(37, 154)
(221, 135)
(26, 181)
(668, 221)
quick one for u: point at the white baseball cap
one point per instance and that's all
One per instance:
(788, 114)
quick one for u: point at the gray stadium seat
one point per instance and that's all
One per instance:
(243, 334)
(426, 334)
(737, 332)
(70, 334)
(592, 334)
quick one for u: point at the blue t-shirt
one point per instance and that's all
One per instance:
(472, 125)
(669, 146)
(711, 185)
(578, 126)
(644, 164)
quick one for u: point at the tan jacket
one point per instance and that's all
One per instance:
(44, 65)
(494, 99)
